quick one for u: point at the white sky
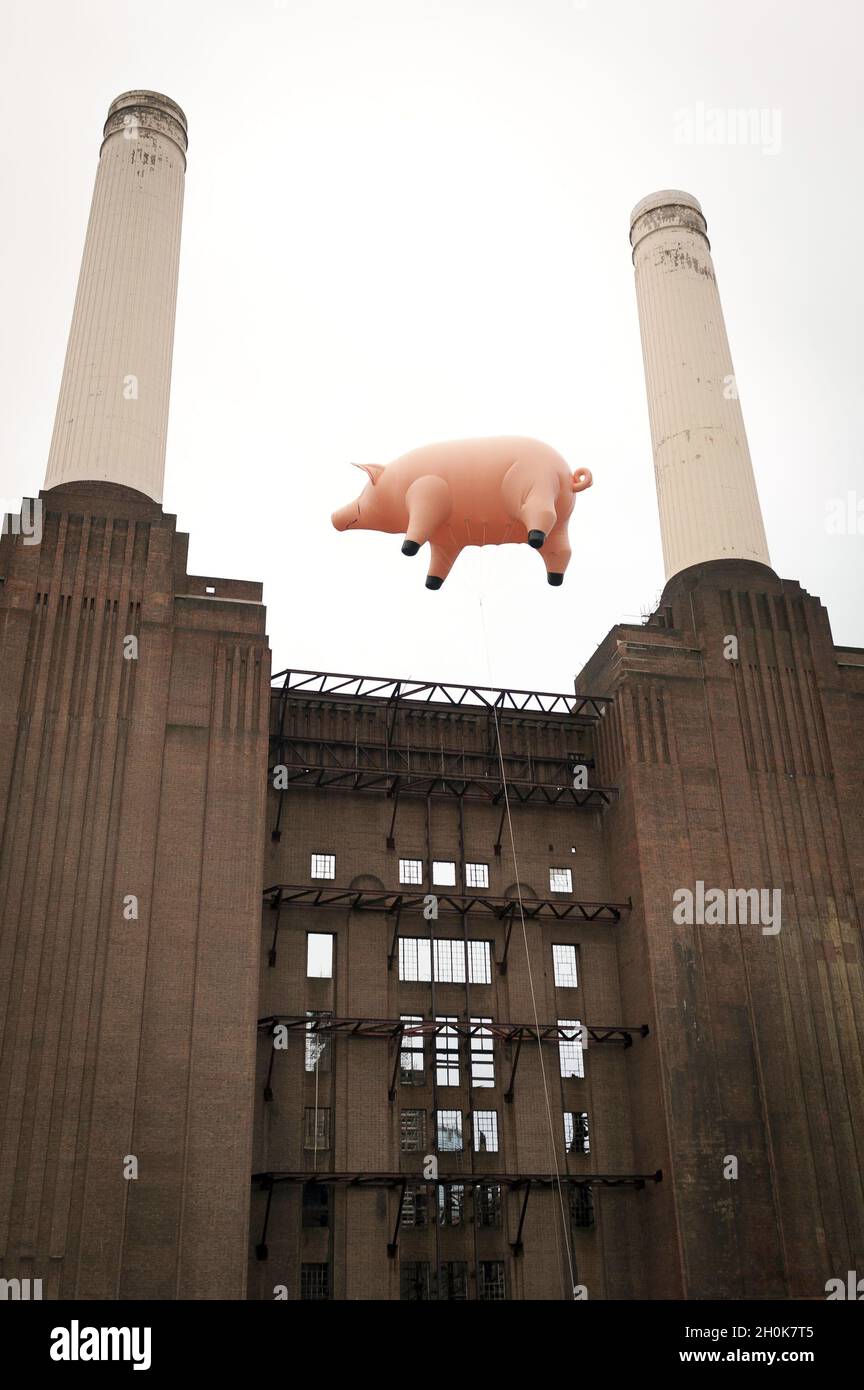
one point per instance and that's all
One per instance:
(407, 220)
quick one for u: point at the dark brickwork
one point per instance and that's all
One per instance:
(122, 777)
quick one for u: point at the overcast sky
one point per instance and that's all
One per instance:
(406, 221)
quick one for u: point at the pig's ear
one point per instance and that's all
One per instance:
(374, 470)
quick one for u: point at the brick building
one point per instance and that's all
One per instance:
(493, 1062)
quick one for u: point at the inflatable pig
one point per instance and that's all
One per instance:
(471, 492)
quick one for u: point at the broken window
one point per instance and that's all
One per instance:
(560, 880)
(414, 1207)
(454, 1280)
(487, 1204)
(570, 1048)
(490, 1281)
(451, 1203)
(412, 1130)
(448, 1131)
(576, 1137)
(319, 955)
(581, 1206)
(564, 958)
(314, 1281)
(414, 1280)
(412, 1067)
(486, 1131)
(317, 1042)
(482, 1056)
(477, 875)
(316, 1204)
(323, 866)
(316, 1128)
(447, 1052)
(410, 870)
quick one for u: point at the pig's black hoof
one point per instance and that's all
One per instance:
(536, 538)
(433, 582)
(555, 579)
(410, 547)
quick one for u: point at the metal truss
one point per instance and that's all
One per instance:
(392, 689)
(505, 910)
(393, 1030)
(525, 1182)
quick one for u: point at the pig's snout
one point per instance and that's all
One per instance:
(346, 516)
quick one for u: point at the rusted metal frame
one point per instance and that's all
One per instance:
(516, 1245)
(393, 1245)
(394, 944)
(277, 906)
(261, 1251)
(508, 1094)
(391, 842)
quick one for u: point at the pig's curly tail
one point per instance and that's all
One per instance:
(582, 479)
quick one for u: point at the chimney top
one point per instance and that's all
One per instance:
(668, 208)
(149, 111)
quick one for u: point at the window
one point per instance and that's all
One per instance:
(414, 1280)
(490, 1282)
(412, 1067)
(448, 1129)
(482, 1057)
(447, 1053)
(570, 1048)
(319, 956)
(414, 1207)
(486, 1131)
(410, 870)
(487, 1204)
(477, 875)
(564, 958)
(317, 1043)
(451, 1203)
(454, 1279)
(316, 1204)
(561, 880)
(323, 866)
(314, 1281)
(412, 1131)
(576, 1137)
(415, 960)
(444, 872)
(581, 1206)
(316, 1128)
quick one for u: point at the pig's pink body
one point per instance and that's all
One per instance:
(471, 492)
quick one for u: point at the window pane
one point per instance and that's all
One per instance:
(412, 1065)
(491, 1280)
(487, 1204)
(323, 866)
(477, 875)
(570, 1048)
(479, 963)
(314, 1281)
(444, 872)
(410, 871)
(565, 966)
(414, 958)
(414, 1280)
(454, 1279)
(317, 1044)
(576, 1137)
(319, 956)
(561, 880)
(451, 1203)
(316, 1128)
(482, 1057)
(449, 1131)
(412, 1130)
(486, 1131)
(447, 1053)
(450, 961)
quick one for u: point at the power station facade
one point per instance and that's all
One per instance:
(336, 986)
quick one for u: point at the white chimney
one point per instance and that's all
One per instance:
(706, 492)
(112, 415)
